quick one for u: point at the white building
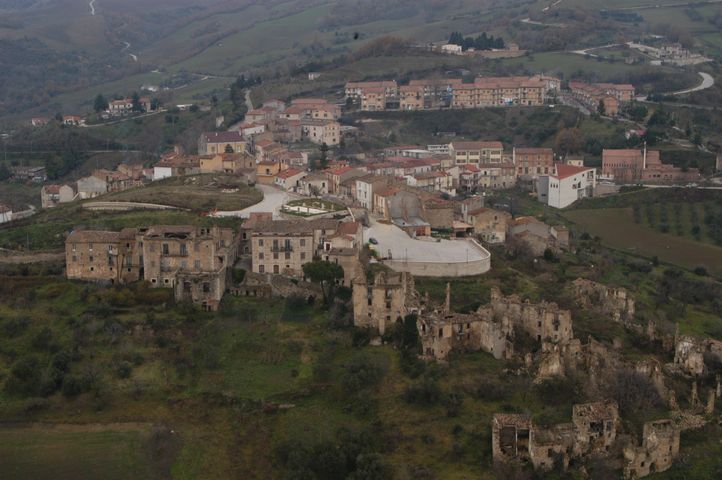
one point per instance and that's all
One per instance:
(91, 187)
(6, 213)
(566, 187)
(290, 179)
(452, 49)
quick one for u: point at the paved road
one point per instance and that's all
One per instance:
(707, 82)
(273, 199)
(403, 247)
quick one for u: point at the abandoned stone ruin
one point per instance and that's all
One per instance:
(617, 303)
(592, 432)
(540, 336)
(659, 448)
(493, 327)
(388, 299)
(693, 355)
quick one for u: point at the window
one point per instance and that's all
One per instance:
(90, 259)
(183, 249)
(90, 247)
(275, 269)
(197, 264)
(260, 256)
(260, 242)
(275, 255)
(165, 249)
(303, 242)
(303, 255)
(261, 269)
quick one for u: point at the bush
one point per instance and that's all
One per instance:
(424, 392)
(72, 386)
(363, 371)
(701, 271)
(124, 369)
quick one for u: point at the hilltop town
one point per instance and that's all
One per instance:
(491, 250)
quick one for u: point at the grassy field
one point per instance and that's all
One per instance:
(244, 386)
(616, 228)
(47, 230)
(66, 452)
(197, 193)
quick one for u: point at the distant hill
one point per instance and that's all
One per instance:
(56, 55)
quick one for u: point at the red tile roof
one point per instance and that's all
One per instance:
(565, 171)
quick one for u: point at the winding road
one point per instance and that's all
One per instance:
(273, 200)
(707, 82)
(92, 7)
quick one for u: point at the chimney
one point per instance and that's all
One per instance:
(645, 156)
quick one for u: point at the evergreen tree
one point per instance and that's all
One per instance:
(600, 109)
(324, 156)
(4, 172)
(137, 107)
(100, 104)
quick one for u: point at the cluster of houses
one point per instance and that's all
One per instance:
(124, 106)
(101, 181)
(67, 120)
(483, 92)
(610, 96)
(451, 93)
(305, 119)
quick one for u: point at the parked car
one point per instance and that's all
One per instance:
(373, 241)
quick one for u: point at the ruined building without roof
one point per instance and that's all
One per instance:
(592, 432)
(193, 261)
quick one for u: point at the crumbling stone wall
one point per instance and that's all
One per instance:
(660, 446)
(615, 302)
(443, 333)
(389, 298)
(544, 321)
(592, 432)
(690, 354)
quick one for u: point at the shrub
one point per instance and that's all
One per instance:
(124, 369)
(424, 392)
(701, 271)
(363, 371)
(72, 386)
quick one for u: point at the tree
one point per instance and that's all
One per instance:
(100, 104)
(569, 140)
(229, 148)
(4, 172)
(410, 334)
(600, 108)
(137, 107)
(325, 274)
(324, 156)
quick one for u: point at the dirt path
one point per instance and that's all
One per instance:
(79, 427)
(18, 257)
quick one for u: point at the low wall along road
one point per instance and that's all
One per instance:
(480, 262)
